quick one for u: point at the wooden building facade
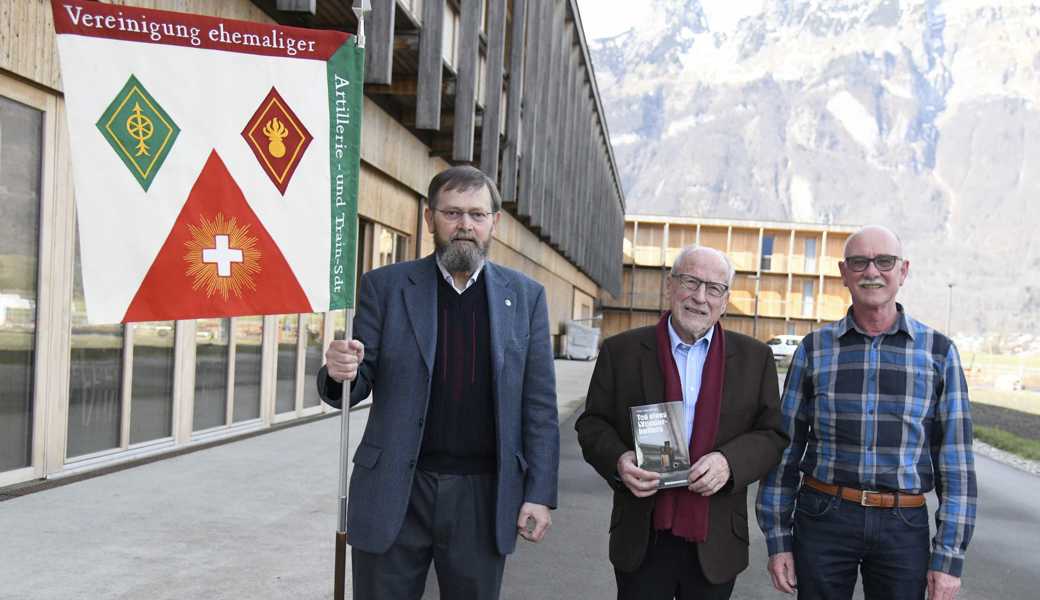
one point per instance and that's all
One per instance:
(787, 279)
(505, 85)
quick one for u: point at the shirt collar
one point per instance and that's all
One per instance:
(451, 281)
(678, 343)
(849, 324)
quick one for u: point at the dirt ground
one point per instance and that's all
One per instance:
(1013, 421)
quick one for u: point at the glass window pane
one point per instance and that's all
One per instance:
(314, 360)
(767, 253)
(285, 389)
(249, 334)
(21, 144)
(211, 373)
(95, 382)
(810, 255)
(386, 247)
(401, 249)
(151, 393)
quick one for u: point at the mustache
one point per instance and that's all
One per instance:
(879, 281)
(463, 238)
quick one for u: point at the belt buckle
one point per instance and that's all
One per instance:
(863, 499)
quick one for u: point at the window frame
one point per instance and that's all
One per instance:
(47, 346)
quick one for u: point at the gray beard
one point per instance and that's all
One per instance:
(461, 257)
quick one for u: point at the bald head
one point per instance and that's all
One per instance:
(878, 238)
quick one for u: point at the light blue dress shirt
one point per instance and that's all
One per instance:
(690, 359)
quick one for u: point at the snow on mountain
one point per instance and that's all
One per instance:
(918, 114)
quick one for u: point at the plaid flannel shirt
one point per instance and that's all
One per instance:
(889, 412)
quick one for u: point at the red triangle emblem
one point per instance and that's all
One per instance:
(218, 260)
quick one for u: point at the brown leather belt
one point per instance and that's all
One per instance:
(867, 497)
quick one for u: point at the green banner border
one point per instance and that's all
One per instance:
(346, 70)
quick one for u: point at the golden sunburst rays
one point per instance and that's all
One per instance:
(222, 257)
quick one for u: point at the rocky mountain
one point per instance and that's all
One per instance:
(918, 114)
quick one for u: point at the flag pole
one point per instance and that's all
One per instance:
(360, 8)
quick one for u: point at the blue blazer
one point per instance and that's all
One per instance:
(396, 320)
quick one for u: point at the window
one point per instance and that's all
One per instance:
(21, 148)
(285, 388)
(212, 341)
(810, 255)
(314, 345)
(391, 247)
(151, 392)
(415, 7)
(95, 379)
(249, 336)
(449, 40)
(767, 252)
(808, 296)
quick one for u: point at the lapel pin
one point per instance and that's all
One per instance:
(509, 302)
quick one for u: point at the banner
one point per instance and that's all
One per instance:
(215, 162)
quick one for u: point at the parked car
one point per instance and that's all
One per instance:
(783, 347)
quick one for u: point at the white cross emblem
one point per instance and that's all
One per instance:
(222, 255)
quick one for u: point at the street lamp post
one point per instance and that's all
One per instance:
(949, 309)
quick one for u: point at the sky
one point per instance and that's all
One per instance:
(607, 18)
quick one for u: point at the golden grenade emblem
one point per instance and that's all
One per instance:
(276, 132)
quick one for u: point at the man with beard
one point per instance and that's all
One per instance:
(877, 409)
(461, 450)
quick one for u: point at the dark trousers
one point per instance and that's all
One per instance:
(450, 521)
(670, 570)
(835, 538)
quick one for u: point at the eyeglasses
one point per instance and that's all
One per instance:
(454, 216)
(689, 282)
(883, 262)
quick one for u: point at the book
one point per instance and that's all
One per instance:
(660, 439)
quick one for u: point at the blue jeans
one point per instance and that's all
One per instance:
(833, 538)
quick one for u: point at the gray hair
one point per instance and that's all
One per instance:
(692, 249)
(463, 178)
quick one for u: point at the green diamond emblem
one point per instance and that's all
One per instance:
(139, 130)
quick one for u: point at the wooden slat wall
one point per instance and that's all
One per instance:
(379, 42)
(496, 44)
(431, 70)
(466, 83)
(534, 131)
(511, 151)
(545, 197)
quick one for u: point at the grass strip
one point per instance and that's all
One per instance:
(1008, 442)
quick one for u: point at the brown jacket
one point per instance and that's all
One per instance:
(750, 436)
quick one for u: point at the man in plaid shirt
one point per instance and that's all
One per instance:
(877, 409)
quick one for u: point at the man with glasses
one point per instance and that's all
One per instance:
(461, 449)
(687, 542)
(877, 409)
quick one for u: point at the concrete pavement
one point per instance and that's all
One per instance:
(250, 519)
(256, 519)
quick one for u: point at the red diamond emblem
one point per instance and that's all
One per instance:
(277, 138)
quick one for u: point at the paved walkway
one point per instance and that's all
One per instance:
(250, 519)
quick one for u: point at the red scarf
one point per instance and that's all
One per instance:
(679, 510)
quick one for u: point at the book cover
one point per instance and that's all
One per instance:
(660, 440)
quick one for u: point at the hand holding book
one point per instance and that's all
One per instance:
(640, 482)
